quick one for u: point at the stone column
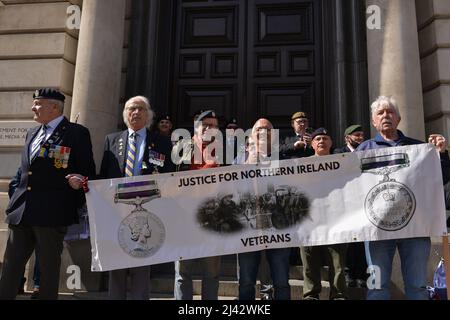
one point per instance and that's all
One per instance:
(394, 62)
(96, 90)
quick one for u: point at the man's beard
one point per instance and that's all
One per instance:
(353, 143)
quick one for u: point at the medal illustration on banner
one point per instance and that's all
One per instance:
(141, 233)
(389, 205)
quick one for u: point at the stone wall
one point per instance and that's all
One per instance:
(433, 20)
(37, 50)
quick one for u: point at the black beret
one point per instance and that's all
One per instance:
(164, 117)
(49, 93)
(205, 114)
(232, 123)
(320, 132)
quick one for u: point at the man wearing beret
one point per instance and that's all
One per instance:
(353, 136)
(295, 146)
(135, 151)
(234, 148)
(55, 160)
(356, 257)
(335, 254)
(164, 126)
(299, 144)
(195, 156)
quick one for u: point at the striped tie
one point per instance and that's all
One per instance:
(131, 155)
(37, 143)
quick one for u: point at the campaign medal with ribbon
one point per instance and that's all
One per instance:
(60, 156)
(389, 205)
(157, 159)
(142, 233)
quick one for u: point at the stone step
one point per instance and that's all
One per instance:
(230, 288)
(229, 269)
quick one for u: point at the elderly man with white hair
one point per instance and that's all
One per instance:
(135, 151)
(414, 252)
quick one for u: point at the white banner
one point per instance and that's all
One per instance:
(373, 195)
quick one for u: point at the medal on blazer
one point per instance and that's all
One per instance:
(120, 147)
(60, 155)
(156, 158)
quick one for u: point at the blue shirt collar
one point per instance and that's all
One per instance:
(379, 138)
(54, 123)
(141, 132)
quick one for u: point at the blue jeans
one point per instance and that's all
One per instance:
(414, 254)
(208, 267)
(279, 270)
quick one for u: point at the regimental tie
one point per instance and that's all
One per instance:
(38, 142)
(131, 155)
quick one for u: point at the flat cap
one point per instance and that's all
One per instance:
(299, 114)
(320, 132)
(352, 128)
(49, 93)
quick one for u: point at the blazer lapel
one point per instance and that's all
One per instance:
(57, 134)
(122, 150)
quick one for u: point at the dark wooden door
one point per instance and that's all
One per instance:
(247, 59)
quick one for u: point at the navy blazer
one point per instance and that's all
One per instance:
(115, 150)
(287, 150)
(43, 196)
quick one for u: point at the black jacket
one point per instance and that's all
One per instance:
(287, 150)
(114, 154)
(43, 196)
(14, 183)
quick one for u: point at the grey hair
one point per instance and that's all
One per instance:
(382, 101)
(59, 104)
(150, 112)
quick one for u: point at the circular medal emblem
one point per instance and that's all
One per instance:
(390, 205)
(141, 234)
